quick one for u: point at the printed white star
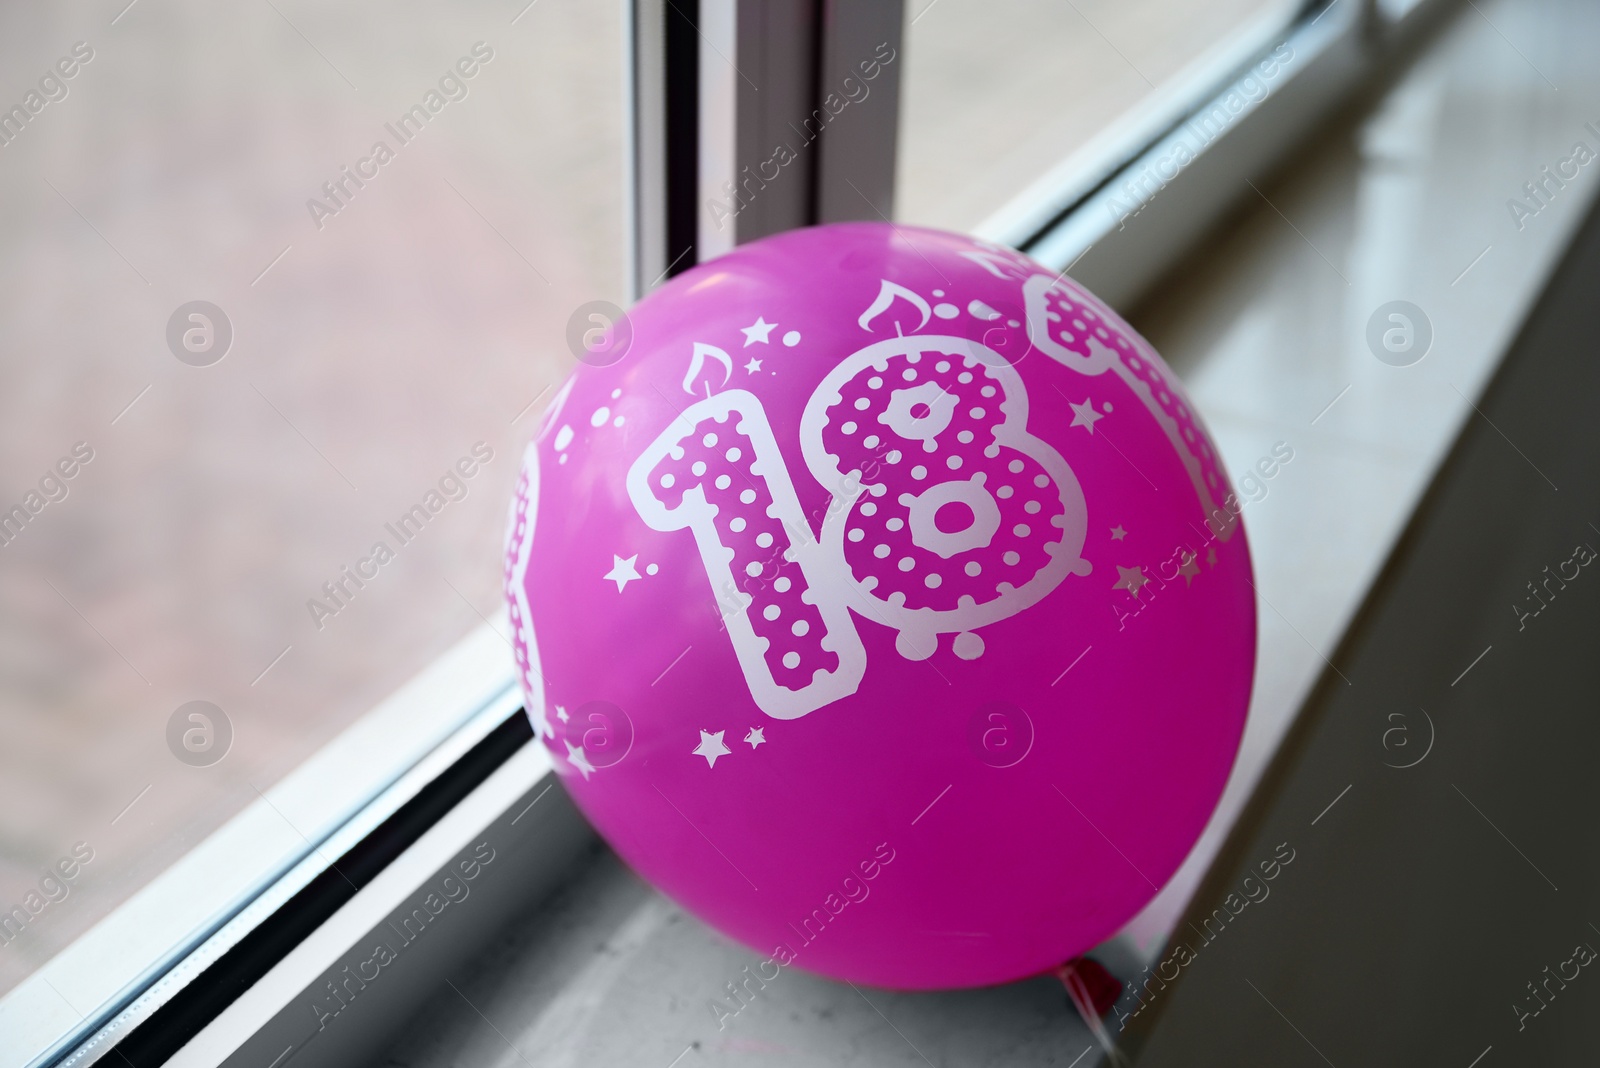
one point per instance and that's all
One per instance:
(1084, 415)
(711, 747)
(753, 366)
(561, 714)
(1189, 569)
(576, 758)
(756, 736)
(1117, 533)
(1131, 579)
(757, 331)
(622, 571)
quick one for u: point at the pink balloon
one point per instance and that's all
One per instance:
(885, 605)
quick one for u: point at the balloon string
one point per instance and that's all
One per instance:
(1082, 1000)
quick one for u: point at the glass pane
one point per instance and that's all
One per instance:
(390, 214)
(996, 92)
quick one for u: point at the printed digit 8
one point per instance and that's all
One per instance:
(953, 516)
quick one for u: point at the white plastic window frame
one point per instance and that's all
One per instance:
(745, 76)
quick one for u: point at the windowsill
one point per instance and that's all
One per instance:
(1403, 202)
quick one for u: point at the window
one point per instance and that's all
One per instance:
(285, 284)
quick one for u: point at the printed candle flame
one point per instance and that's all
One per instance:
(697, 363)
(887, 292)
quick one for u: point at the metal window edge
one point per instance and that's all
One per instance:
(1050, 197)
(1133, 218)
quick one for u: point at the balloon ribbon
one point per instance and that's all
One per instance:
(1092, 991)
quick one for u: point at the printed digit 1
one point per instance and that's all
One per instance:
(718, 472)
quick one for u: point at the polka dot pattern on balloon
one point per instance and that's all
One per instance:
(925, 534)
(768, 587)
